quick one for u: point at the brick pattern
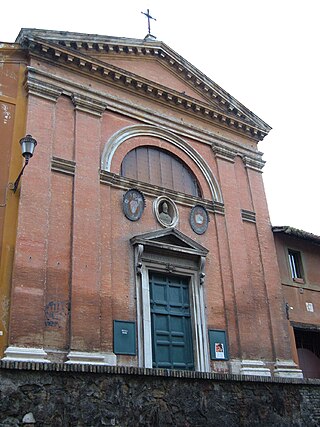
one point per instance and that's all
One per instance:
(73, 250)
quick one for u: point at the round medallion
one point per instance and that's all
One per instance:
(199, 219)
(133, 204)
(166, 211)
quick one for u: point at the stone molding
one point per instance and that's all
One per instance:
(255, 163)
(202, 266)
(151, 240)
(147, 189)
(221, 107)
(224, 152)
(173, 257)
(255, 368)
(25, 354)
(249, 216)
(287, 369)
(85, 358)
(138, 257)
(128, 132)
(42, 89)
(62, 165)
(88, 105)
(136, 111)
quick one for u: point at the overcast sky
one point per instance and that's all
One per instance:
(265, 53)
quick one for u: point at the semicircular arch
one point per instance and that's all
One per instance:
(147, 130)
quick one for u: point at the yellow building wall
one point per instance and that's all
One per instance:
(12, 128)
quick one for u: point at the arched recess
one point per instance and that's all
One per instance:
(147, 130)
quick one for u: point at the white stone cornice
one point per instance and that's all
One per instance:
(255, 163)
(287, 369)
(88, 105)
(254, 367)
(26, 354)
(222, 111)
(224, 152)
(87, 358)
(59, 44)
(147, 189)
(42, 89)
(67, 167)
(139, 112)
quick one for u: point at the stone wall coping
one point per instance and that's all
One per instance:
(135, 371)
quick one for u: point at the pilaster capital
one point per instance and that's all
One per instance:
(42, 89)
(255, 163)
(224, 152)
(88, 104)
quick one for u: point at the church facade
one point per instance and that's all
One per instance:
(139, 234)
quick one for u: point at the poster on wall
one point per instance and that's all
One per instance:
(219, 350)
(218, 344)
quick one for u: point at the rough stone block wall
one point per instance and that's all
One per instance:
(84, 395)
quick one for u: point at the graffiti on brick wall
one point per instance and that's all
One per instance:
(5, 113)
(56, 313)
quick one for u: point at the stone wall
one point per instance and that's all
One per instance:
(85, 395)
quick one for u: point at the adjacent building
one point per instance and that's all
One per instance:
(139, 234)
(299, 260)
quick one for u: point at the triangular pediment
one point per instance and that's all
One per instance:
(155, 70)
(165, 75)
(170, 239)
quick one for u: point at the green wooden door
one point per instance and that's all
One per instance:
(171, 322)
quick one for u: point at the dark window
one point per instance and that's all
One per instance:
(295, 264)
(308, 347)
(161, 168)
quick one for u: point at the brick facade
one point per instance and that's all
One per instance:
(74, 271)
(301, 295)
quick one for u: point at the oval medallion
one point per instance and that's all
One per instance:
(199, 219)
(133, 204)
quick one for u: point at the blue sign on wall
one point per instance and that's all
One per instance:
(124, 337)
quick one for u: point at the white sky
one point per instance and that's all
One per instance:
(265, 53)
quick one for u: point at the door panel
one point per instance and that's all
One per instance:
(171, 322)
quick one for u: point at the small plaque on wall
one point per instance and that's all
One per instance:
(124, 337)
(218, 345)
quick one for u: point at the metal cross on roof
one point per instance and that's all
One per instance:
(149, 17)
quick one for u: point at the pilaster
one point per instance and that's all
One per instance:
(30, 264)
(248, 293)
(86, 249)
(272, 283)
(235, 277)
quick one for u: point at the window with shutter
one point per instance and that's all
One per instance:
(160, 167)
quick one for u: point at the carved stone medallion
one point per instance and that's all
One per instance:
(199, 219)
(133, 204)
(166, 211)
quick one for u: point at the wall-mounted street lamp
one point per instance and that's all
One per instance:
(28, 144)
